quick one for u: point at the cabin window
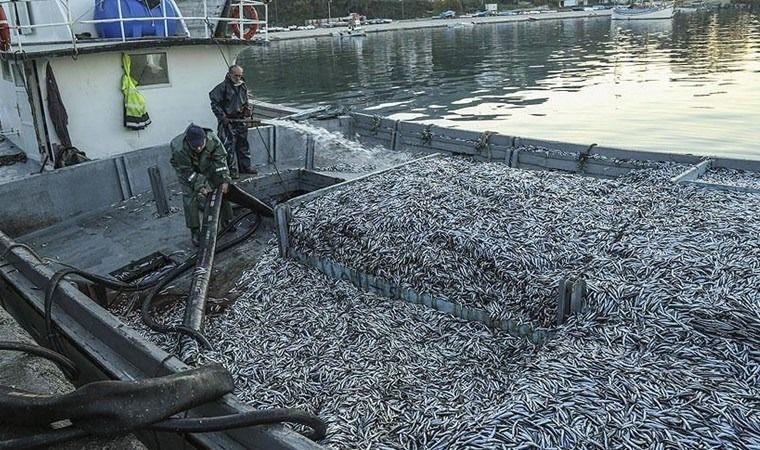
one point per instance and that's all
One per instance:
(18, 74)
(7, 71)
(149, 68)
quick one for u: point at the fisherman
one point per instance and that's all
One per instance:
(200, 160)
(229, 102)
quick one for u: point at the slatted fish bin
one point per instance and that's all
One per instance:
(517, 152)
(452, 268)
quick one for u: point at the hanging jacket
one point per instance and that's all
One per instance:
(229, 101)
(135, 109)
(198, 169)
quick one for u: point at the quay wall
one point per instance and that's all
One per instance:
(415, 24)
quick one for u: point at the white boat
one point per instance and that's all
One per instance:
(460, 25)
(648, 13)
(43, 51)
(355, 32)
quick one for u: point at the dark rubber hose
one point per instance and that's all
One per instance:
(157, 285)
(47, 440)
(63, 362)
(243, 420)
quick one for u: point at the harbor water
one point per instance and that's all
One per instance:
(689, 85)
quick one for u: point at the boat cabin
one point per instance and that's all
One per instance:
(64, 64)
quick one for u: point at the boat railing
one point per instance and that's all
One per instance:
(18, 30)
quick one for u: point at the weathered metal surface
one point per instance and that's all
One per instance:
(159, 191)
(693, 173)
(380, 286)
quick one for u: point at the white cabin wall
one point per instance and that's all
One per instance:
(16, 113)
(8, 112)
(90, 87)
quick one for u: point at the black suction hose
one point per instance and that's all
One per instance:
(189, 263)
(63, 362)
(155, 285)
(243, 420)
(44, 440)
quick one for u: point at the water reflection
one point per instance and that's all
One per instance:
(691, 84)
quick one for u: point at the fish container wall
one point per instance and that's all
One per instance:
(148, 25)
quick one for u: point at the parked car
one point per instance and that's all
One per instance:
(448, 14)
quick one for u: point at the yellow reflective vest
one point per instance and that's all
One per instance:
(135, 109)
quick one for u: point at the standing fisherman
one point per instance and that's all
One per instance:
(200, 160)
(229, 102)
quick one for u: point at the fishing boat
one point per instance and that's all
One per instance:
(351, 32)
(115, 218)
(643, 13)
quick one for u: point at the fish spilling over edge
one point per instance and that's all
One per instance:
(665, 354)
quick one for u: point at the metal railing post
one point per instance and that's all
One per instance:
(16, 28)
(121, 21)
(70, 25)
(241, 16)
(206, 22)
(166, 21)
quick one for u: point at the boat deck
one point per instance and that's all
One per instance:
(13, 162)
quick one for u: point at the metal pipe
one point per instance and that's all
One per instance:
(195, 308)
(166, 22)
(121, 21)
(205, 14)
(241, 17)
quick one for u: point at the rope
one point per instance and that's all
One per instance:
(484, 144)
(427, 135)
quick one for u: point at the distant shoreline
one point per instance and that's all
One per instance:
(415, 24)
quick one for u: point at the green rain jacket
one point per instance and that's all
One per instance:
(135, 109)
(196, 170)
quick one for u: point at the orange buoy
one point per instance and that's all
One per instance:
(5, 32)
(249, 13)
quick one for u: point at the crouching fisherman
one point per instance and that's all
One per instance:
(200, 160)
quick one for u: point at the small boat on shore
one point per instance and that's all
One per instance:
(647, 13)
(352, 32)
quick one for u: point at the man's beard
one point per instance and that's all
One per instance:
(237, 83)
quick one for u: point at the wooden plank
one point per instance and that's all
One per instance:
(373, 142)
(694, 172)
(737, 164)
(282, 216)
(723, 187)
(555, 145)
(578, 296)
(641, 155)
(370, 122)
(548, 163)
(563, 301)
(411, 128)
(300, 200)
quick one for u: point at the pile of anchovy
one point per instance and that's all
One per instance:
(478, 234)
(665, 355)
(732, 177)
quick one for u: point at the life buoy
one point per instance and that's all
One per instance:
(5, 32)
(249, 13)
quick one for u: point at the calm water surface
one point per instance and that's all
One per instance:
(688, 85)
